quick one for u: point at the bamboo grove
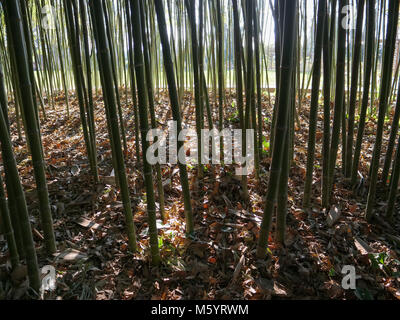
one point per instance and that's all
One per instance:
(261, 52)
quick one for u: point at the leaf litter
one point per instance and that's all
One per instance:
(93, 261)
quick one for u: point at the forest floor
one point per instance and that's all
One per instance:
(93, 261)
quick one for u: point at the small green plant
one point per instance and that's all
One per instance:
(378, 260)
(381, 261)
(266, 146)
(160, 242)
(234, 116)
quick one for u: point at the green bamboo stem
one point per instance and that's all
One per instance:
(314, 102)
(173, 93)
(339, 97)
(383, 100)
(32, 130)
(281, 126)
(354, 84)
(367, 85)
(144, 128)
(104, 60)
